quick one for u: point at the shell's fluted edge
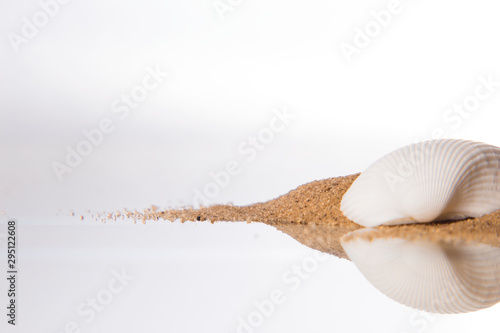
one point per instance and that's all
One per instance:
(429, 181)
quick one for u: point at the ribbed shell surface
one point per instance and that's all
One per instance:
(430, 181)
(427, 276)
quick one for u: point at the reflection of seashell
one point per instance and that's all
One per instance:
(434, 277)
(429, 181)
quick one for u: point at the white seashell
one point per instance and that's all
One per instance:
(427, 276)
(430, 181)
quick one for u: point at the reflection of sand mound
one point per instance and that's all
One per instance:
(311, 214)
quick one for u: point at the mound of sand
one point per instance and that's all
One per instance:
(311, 214)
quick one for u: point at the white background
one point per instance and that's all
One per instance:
(225, 78)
